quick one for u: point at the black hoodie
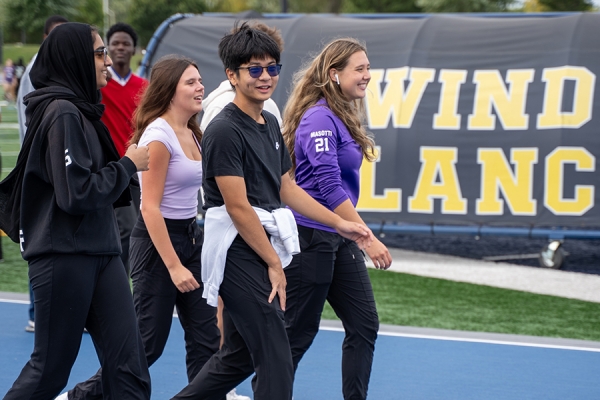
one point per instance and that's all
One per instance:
(71, 175)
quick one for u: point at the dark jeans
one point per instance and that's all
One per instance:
(155, 295)
(330, 267)
(72, 292)
(255, 337)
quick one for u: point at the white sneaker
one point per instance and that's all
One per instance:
(64, 396)
(233, 396)
(30, 326)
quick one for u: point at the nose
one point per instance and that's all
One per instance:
(108, 62)
(264, 75)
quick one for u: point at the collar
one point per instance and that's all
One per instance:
(118, 79)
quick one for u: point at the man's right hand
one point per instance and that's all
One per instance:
(139, 155)
(278, 282)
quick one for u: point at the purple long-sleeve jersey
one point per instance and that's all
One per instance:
(328, 161)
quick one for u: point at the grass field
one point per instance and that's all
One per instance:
(402, 299)
(16, 51)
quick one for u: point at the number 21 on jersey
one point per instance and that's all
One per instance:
(321, 144)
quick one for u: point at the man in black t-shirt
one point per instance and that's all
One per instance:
(245, 165)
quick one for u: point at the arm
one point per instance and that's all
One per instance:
(377, 251)
(248, 225)
(295, 197)
(153, 185)
(70, 160)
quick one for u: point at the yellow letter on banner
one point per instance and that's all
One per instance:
(389, 201)
(509, 105)
(496, 176)
(583, 98)
(394, 101)
(447, 116)
(554, 182)
(438, 180)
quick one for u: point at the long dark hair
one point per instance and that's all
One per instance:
(155, 102)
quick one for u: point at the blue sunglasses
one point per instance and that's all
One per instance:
(256, 70)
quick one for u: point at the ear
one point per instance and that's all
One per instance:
(333, 75)
(232, 76)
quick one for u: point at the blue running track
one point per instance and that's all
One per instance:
(409, 364)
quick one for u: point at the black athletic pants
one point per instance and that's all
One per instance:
(333, 268)
(255, 337)
(155, 295)
(72, 292)
(127, 217)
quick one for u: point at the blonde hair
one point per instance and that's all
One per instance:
(312, 82)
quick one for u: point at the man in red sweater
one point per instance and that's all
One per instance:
(121, 97)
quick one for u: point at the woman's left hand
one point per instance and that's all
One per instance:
(356, 232)
(379, 255)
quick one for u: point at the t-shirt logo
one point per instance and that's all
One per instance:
(276, 145)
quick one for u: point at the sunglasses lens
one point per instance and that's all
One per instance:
(255, 72)
(273, 70)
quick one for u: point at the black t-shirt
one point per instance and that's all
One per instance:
(236, 145)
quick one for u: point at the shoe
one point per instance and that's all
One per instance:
(234, 396)
(64, 396)
(30, 326)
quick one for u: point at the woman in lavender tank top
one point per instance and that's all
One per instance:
(327, 141)
(166, 242)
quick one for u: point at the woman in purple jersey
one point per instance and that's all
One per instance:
(324, 133)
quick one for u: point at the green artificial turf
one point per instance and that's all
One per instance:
(410, 300)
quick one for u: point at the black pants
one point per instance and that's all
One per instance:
(126, 219)
(155, 295)
(255, 337)
(73, 292)
(333, 268)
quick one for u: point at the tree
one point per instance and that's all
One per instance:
(386, 6)
(90, 12)
(25, 18)
(147, 15)
(435, 6)
(566, 5)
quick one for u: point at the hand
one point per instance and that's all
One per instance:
(183, 279)
(278, 282)
(139, 155)
(379, 254)
(356, 232)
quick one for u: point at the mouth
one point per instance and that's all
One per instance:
(198, 98)
(264, 88)
(362, 86)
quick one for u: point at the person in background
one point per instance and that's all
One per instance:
(19, 70)
(69, 178)
(213, 104)
(121, 97)
(327, 141)
(25, 87)
(9, 75)
(166, 242)
(245, 180)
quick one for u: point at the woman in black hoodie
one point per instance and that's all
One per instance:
(67, 180)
